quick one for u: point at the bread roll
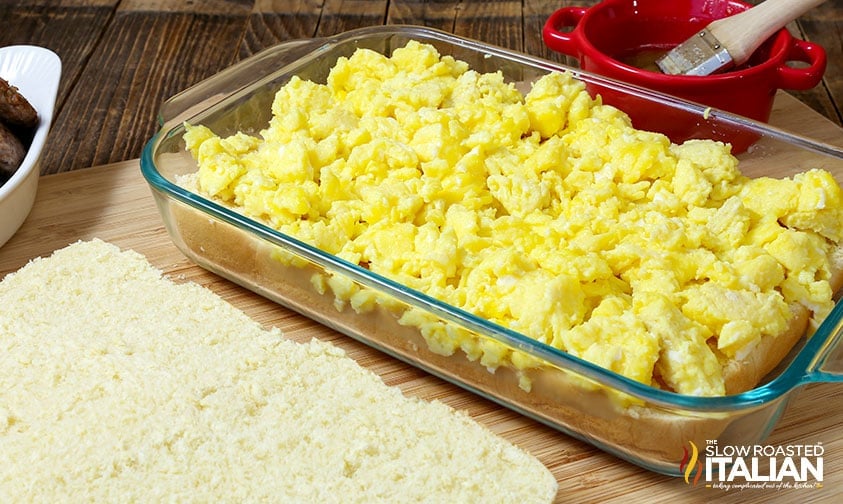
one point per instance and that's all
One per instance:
(118, 384)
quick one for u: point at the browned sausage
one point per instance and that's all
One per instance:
(14, 108)
(12, 152)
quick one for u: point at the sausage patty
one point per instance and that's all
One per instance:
(15, 110)
(12, 152)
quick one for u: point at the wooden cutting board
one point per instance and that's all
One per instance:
(114, 203)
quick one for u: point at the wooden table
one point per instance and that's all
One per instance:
(123, 58)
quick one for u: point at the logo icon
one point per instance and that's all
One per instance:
(691, 464)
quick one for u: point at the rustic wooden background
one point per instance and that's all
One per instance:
(122, 58)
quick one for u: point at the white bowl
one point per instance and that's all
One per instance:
(36, 72)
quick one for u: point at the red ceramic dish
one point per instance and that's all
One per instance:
(605, 37)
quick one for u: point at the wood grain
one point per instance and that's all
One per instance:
(440, 15)
(71, 29)
(343, 15)
(274, 21)
(498, 22)
(120, 118)
(114, 203)
(122, 59)
(217, 7)
(824, 26)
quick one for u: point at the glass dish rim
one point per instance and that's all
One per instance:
(800, 371)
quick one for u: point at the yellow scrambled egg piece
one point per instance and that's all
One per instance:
(546, 213)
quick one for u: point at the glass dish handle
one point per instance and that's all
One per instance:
(827, 366)
(210, 91)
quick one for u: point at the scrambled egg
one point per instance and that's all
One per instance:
(546, 213)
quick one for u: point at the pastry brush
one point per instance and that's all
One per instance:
(730, 41)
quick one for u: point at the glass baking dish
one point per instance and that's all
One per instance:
(644, 425)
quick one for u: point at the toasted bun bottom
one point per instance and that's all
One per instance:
(747, 372)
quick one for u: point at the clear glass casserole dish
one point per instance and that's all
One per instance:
(642, 424)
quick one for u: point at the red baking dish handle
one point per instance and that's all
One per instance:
(801, 78)
(563, 41)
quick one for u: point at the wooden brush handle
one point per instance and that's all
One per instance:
(742, 33)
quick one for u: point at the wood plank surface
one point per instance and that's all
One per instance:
(122, 59)
(824, 26)
(113, 202)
